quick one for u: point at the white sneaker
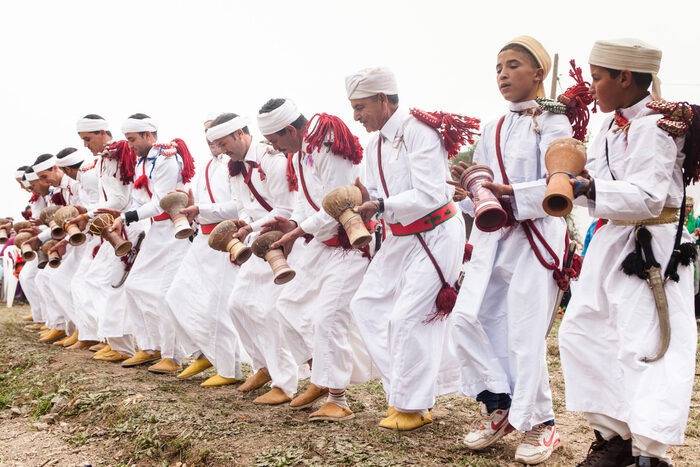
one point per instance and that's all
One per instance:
(538, 444)
(493, 428)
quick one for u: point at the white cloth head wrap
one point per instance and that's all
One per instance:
(134, 125)
(31, 176)
(45, 165)
(19, 174)
(71, 159)
(370, 82)
(26, 184)
(91, 124)
(272, 122)
(629, 54)
(226, 128)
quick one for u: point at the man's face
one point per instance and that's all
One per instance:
(139, 143)
(52, 176)
(40, 187)
(233, 145)
(287, 143)
(94, 141)
(517, 78)
(370, 112)
(606, 90)
(71, 172)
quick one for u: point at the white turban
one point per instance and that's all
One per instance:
(71, 159)
(31, 176)
(226, 128)
(272, 122)
(629, 54)
(19, 174)
(91, 124)
(135, 125)
(370, 82)
(45, 165)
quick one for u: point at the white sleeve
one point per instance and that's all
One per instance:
(165, 178)
(275, 168)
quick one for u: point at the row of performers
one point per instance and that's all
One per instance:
(309, 253)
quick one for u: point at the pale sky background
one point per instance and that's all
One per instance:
(178, 61)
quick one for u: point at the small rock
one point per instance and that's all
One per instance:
(48, 418)
(41, 426)
(15, 411)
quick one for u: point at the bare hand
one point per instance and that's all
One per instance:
(458, 169)
(363, 190)
(36, 222)
(117, 225)
(581, 184)
(113, 212)
(60, 247)
(190, 196)
(243, 230)
(498, 189)
(282, 224)
(33, 242)
(190, 211)
(81, 209)
(367, 210)
(287, 240)
(31, 230)
(78, 221)
(460, 194)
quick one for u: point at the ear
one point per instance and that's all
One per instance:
(291, 129)
(539, 75)
(625, 78)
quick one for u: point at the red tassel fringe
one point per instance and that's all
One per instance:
(58, 199)
(468, 248)
(292, 180)
(344, 143)
(577, 99)
(34, 198)
(121, 151)
(27, 214)
(141, 182)
(456, 130)
(95, 250)
(187, 159)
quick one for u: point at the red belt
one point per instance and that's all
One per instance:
(426, 223)
(207, 228)
(162, 217)
(332, 241)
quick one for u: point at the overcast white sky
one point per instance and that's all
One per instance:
(177, 61)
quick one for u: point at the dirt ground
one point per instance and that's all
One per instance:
(60, 407)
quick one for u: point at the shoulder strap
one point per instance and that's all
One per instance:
(498, 150)
(206, 179)
(252, 189)
(303, 185)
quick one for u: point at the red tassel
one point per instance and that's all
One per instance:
(141, 182)
(58, 199)
(34, 198)
(456, 130)
(330, 127)
(577, 99)
(95, 250)
(187, 159)
(468, 248)
(444, 303)
(292, 180)
(27, 213)
(120, 151)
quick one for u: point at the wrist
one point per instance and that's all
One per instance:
(380, 205)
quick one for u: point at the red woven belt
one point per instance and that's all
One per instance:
(207, 228)
(426, 223)
(162, 217)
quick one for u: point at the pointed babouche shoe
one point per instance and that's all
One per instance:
(198, 366)
(308, 397)
(255, 381)
(164, 367)
(111, 356)
(218, 380)
(141, 357)
(331, 412)
(274, 396)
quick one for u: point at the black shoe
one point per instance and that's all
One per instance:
(644, 461)
(615, 452)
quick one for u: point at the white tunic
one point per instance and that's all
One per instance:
(611, 322)
(27, 276)
(400, 286)
(316, 304)
(161, 254)
(507, 297)
(196, 299)
(254, 295)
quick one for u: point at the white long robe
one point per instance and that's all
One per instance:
(27, 276)
(161, 254)
(316, 304)
(611, 321)
(400, 286)
(196, 300)
(254, 295)
(507, 297)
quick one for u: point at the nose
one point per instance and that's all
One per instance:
(356, 116)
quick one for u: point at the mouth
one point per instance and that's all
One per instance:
(504, 86)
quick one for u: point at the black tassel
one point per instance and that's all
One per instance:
(688, 253)
(634, 265)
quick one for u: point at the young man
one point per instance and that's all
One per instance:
(502, 313)
(161, 168)
(316, 304)
(636, 405)
(406, 172)
(201, 320)
(259, 181)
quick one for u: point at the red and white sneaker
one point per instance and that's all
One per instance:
(494, 427)
(538, 444)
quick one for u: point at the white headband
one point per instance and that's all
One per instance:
(71, 159)
(272, 122)
(45, 165)
(19, 174)
(370, 82)
(26, 184)
(226, 128)
(134, 125)
(91, 124)
(31, 176)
